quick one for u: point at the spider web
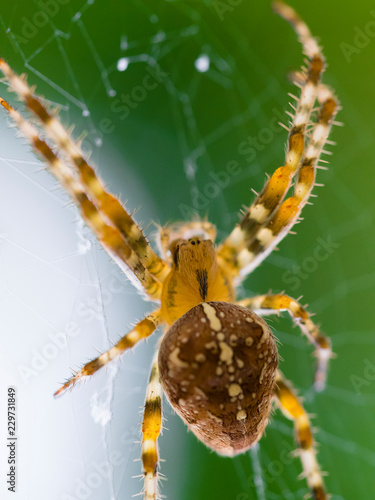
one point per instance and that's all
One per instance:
(181, 148)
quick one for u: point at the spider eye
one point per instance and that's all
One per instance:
(218, 365)
(194, 241)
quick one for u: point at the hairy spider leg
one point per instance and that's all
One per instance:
(236, 249)
(264, 305)
(289, 212)
(141, 330)
(151, 428)
(292, 408)
(110, 237)
(104, 201)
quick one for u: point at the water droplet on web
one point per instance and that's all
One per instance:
(124, 43)
(202, 64)
(122, 63)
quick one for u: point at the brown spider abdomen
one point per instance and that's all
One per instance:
(218, 366)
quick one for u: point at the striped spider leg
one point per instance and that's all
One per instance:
(147, 269)
(270, 217)
(292, 408)
(264, 305)
(115, 230)
(151, 428)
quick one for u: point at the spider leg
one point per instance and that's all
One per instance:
(93, 186)
(292, 408)
(289, 211)
(250, 241)
(141, 330)
(151, 428)
(274, 304)
(109, 236)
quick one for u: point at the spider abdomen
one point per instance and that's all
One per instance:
(218, 366)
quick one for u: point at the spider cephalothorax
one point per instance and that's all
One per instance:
(217, 361)
(195, 277)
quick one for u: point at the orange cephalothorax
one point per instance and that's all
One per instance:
(195, 277)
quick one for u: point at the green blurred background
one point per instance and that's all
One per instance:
(222, 78)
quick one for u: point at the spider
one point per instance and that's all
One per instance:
(217, 360)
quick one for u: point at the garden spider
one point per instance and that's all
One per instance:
(217, 361)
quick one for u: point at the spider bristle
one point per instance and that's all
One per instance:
(298, 84)
(54, 112)
(295, 453)
(284, 126)
(70, 129)
(81, 138)
(140, 493)
(293, 96)
(134, 211)
(147, 226)
(303, 475)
